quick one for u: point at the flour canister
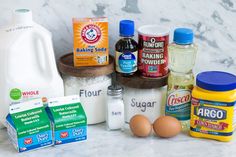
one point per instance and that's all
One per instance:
(90, 83)
(153, 53)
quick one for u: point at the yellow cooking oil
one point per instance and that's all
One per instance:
(182, 54)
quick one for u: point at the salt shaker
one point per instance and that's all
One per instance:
(115, 108)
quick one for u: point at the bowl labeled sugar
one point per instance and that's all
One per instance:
(145, 96)
(148, 102)
(90, 83)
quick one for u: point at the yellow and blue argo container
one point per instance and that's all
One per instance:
(213, 112)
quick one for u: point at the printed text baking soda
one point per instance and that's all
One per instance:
(91, 41)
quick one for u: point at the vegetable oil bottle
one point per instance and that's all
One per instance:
(182, 54)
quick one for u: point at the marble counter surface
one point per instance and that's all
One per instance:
(102, 143)
(213, 22)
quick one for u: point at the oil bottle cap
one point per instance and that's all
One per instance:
(183, 36)
(216, 81)
(126, 28)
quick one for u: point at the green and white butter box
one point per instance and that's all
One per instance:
(29, 126)
(68, 119)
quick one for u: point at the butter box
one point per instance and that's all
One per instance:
(91, 44)
(68, 118)
(29, 126)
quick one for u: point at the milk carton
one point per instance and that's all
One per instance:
(28, 126)
(68, 118)
(91, 45)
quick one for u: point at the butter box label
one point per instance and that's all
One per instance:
(69, 119)
(29, 126)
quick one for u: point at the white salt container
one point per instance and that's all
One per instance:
(145, 96)
(90, 83)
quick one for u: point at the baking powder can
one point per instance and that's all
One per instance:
(153, 52)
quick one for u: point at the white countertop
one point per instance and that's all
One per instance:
(104, 143)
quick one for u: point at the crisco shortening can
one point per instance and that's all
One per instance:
(153, 55)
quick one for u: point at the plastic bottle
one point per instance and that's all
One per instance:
(182, 54)
(28, 67)
(126, 49)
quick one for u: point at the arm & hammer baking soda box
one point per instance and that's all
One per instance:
(29, 126)
(68, 118)
(91, 44)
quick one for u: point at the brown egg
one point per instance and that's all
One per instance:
(166, 126)
(140, 126)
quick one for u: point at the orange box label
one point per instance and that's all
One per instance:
(91, 45)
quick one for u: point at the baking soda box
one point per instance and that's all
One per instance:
(68, 118)
(91, 45)
(29, 126)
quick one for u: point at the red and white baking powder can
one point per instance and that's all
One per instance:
(153, 51)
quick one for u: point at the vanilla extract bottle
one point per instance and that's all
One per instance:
(126, 49)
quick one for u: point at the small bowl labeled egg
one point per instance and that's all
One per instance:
(164, 126)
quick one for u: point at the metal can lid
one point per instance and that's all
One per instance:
(114, 90)
(153, 31)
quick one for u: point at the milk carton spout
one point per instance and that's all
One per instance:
(22, 16)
